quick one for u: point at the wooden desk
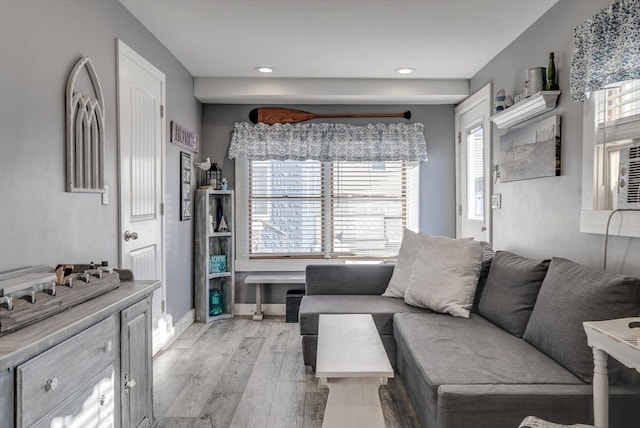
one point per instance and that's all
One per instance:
(616, 339)
(353, 364)
(271, 278)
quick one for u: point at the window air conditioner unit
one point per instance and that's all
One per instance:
(629, 180)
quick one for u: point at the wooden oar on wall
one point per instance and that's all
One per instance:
(271, 115)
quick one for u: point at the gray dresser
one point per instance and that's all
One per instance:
(90, 365)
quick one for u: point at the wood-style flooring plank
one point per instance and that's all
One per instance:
(220, 408)
(245, 373)
(206, 364)
(397, 408)
(184, 423)
(255, 404)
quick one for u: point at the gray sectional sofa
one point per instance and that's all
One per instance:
(521, 352)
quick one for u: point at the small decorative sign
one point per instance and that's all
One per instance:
(218, 264)
(185, 186)
(182, 137)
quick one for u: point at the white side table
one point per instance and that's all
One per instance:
(616, 339)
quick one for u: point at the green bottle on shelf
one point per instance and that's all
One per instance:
(552, 82)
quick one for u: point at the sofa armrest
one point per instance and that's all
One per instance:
(491, 406)
(348, 279)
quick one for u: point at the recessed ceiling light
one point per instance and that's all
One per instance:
(264, 69)
(405, 70)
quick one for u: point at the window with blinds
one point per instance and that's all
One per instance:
(617, 139)
(330, 210)
(618, 112)
(475, 174)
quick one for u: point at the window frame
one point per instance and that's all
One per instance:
(294, 262)
(596, 193)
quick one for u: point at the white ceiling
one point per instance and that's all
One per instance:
(335, 39)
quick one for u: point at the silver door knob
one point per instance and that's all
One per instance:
(130, 235)
(483, 228)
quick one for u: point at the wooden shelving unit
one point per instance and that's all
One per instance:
(210, 242)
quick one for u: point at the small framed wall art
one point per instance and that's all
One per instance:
(185, 186)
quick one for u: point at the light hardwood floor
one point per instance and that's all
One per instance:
(245, 373)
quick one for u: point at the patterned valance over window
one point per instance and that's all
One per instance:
(606, 49)
(329, 142)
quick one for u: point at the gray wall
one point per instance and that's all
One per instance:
(40, 223)
(437, 175)
(541, 217)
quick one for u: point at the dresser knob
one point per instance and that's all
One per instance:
(108, 346)
(51, 384)
(128, 384)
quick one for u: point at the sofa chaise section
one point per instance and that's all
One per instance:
(468, 372)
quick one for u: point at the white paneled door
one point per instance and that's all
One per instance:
(473, 175)
(141, 94)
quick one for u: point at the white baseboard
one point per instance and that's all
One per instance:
(267, 308)
(184, 323)
(174, 331)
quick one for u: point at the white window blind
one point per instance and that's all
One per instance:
(620, 106)
(285, 208)
(475, 174)
(330, 210)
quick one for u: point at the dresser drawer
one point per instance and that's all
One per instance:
(46, 381)
(92, 407)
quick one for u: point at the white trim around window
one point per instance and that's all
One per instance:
(596, 206)
(294, 263)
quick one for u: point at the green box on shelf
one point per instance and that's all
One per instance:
(218, 264)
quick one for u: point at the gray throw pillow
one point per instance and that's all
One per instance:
(402, 271)
(571, 294)
(487, 258)
(511, 291)
(444, 275)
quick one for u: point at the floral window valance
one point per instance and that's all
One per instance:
(606, 49)
(329, 142)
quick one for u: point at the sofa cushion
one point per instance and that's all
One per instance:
(511, 291)
(571, 294)
(487, 258)
(402, 271)
(445, 274)
(460, 351)
(381, 309)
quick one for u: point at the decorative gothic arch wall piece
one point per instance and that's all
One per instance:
(85, 132)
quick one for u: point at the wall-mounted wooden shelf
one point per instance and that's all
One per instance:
(526, 109)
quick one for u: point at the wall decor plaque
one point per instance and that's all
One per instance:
(85, 128)
(182, 137)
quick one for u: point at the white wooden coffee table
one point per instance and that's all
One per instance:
(353, 364)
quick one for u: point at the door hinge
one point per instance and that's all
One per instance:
(459, 137)
(460, 209)
(162, 208)
(161, 111)
(162, 306)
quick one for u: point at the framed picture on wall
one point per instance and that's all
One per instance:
(532, 151)
(185, 186)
